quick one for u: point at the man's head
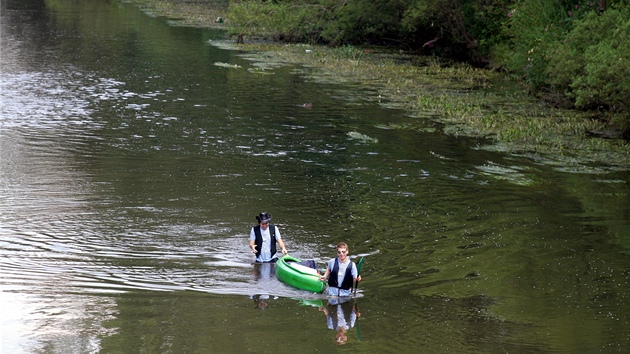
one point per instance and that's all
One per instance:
(263, 219)
(342, 250)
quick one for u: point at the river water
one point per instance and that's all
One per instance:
(135, 155)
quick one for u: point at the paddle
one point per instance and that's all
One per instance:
(359, 266)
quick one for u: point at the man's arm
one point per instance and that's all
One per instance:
(252, 245)
(282, 247)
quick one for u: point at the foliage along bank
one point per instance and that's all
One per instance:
(508, 117)
(573, 53)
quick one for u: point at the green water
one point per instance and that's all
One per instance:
(134, 157)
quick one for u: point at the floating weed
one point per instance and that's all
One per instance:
(362, 137)
(513, 174)
(227, 65)
(260, 71)
(461, 97)
(406, 126)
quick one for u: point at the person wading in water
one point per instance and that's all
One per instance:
(341, 273)
(263, 239)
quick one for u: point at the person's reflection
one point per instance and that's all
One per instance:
(263, 271)
(341, 316)
(261, 301)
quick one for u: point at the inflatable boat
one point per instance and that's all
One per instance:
(291, 272)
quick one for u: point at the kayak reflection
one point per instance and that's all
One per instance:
(341, 315)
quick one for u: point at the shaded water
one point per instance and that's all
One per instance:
(133, 162)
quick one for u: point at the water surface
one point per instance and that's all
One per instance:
(134, 157)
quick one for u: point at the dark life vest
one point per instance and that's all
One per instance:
(346, 283)
(259, 239)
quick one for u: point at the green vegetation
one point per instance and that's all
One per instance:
(571, 53)
(460, 29)
(574, 54)
(193, 13)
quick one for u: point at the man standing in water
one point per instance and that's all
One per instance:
(341, 273)
(263, 239)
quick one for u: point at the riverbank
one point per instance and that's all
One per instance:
(192, 13)
(467, 101)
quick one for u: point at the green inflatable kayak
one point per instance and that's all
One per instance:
(291, 272)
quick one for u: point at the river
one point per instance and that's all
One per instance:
(134, 157)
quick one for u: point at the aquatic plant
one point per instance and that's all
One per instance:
(464, 99)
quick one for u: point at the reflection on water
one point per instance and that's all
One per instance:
(68, 322)
(340, 317)
(132, 166)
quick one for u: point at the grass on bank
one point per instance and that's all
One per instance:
(191, 13)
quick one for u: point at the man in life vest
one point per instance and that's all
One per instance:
(341, 273)
(263, 239)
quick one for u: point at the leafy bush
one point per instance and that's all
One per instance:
(360, 22)
(531, 33)
(578, 50)
(598, 52)
(465, 28)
